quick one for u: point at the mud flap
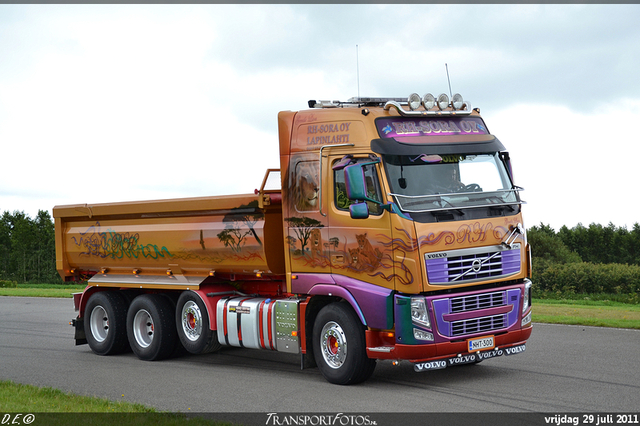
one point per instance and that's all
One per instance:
(78, 324)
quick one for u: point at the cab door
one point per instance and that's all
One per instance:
(359, 248)
(306, 227)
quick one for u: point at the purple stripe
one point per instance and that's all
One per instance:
(370, 301)
(510, 262)
(437, 270)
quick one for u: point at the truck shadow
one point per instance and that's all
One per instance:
(385, 373)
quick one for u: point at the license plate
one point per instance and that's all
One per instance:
(480, 344)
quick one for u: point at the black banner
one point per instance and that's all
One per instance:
(320, 419)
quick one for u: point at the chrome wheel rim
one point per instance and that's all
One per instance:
(191, 321)
(99, 322)
(333, 343)
(143, 328)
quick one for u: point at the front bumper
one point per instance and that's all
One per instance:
(444, 350)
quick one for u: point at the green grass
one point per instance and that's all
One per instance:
(27, 398)
(587, 312)
(43, 290)
(45, 402)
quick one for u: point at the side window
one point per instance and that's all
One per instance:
(373, 188)
(306, 186)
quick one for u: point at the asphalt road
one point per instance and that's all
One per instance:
(564, 369)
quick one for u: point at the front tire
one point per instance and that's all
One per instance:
(339, 346)
(150, 327)
(192, 322)
(105, 321)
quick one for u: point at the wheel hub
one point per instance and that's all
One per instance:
(143, 328)
(99, 322)
(333, 344)
(191, 321)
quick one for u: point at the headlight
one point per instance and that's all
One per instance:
(414, 101)
(527, 296)
(419, 312)
(457, 101)
(429, 101)
(443, 101)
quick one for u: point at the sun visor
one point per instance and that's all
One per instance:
(427, 145)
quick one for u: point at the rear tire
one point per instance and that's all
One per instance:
(192, 323)
(105, 323)
(150, 327)
(339, 346)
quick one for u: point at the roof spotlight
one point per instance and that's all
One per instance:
(457, 101)
(429, 101)
(414, 101)
(443, 101)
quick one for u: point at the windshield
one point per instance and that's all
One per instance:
(442, 183)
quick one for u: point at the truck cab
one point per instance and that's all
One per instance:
(408, 210)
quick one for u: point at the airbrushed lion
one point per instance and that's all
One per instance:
(306, 186)
(315, 241)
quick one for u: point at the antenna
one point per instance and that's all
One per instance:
(358, 70)
(448, 79)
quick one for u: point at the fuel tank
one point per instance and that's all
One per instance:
(258, 323)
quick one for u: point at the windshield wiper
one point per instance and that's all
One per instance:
(446, 212)
(501, 203)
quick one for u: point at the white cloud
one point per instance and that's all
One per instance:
(576, 168)
(103, 103)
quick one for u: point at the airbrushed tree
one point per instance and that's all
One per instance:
(234, 235)
(303, 226)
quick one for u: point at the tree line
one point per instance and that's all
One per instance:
(595, 244)
(593, 259)
(27, 248)
(586, 260)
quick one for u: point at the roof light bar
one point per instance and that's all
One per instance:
(432, 105)
(355, 102)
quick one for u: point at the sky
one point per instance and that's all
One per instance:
(105, 103)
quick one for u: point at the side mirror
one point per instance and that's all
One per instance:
(359, 211)
(355, 183)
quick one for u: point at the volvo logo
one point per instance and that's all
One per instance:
(435, 255)
(476, 265)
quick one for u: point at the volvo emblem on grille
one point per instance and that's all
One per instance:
(435, 255)
(476, 265)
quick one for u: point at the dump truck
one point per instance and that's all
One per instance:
(392, 232)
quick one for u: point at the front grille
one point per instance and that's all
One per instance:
(468, 265)
(478, 325)
(476, 313)
(478, 301)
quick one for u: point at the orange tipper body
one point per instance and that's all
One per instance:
(396, 227)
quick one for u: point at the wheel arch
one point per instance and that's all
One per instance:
(333, 293)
